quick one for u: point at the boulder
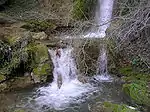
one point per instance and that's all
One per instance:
(40, 36)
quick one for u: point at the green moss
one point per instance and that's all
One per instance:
(2, 77)
(13, 39)
(40, 63)
(43, 69)
(38, 51)
(138, 91)
(130, 74)
(36, 25)
(110, 107)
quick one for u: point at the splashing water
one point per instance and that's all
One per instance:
(102, 72)
(64, 65)
(71, 89)
(65, 88)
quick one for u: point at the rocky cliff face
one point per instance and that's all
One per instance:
(21, 55)
(40, 9)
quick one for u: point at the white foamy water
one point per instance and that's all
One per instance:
(103, 18)
(64, 65)
(103, 78)
(71, 90)
(102, 72)
(102, 62)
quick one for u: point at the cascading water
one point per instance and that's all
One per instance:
(102, 18)
(64, 65)
(65, 88)
(59, 96)
(102, 63)
(102, 72)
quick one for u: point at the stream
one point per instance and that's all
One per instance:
(75, 98)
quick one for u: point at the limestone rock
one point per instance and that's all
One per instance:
(40, 36)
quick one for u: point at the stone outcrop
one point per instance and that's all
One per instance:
(21, 53)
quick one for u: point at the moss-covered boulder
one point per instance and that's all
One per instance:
(44, 66)
(20, 53)
(138, 92)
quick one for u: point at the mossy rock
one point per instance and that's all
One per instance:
(42, 66)
(138, 91)
(41, 52)
(38, 26)
(110, 107)
(43, 69)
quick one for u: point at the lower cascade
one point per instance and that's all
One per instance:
(65, 88)
(64, 66)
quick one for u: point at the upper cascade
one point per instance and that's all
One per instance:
(102, 18)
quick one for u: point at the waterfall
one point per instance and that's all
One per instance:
(65, 88)
(102, 18)
(64, 66)
(103, 15)
(102, 63)
(102, 72)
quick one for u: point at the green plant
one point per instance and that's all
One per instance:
(138, 91)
